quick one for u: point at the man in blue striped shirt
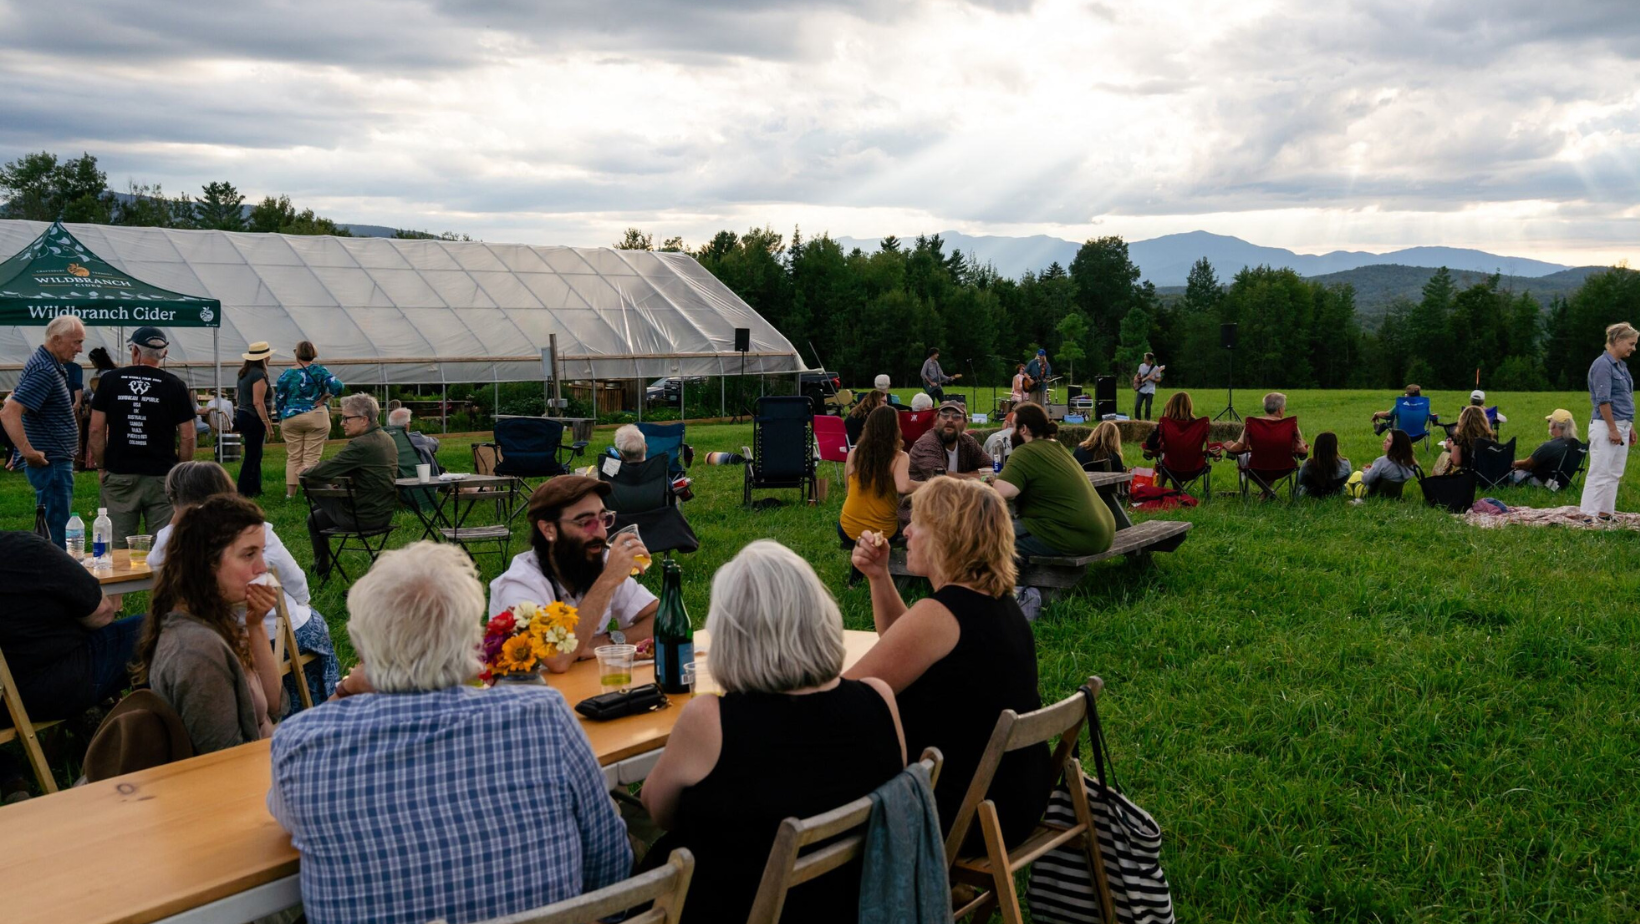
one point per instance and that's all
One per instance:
(39, 418)
(414, 796)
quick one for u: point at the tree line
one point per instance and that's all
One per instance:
(861, 314)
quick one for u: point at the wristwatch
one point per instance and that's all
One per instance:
(616, 636)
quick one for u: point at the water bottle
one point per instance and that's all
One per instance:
(74, 536)
(102, 539)
(996, 461)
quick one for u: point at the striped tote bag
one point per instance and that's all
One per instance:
(1060, 890)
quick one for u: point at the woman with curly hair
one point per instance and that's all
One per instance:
(215, 670)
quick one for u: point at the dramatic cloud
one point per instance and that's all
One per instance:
(1503, 124)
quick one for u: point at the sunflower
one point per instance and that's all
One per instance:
(517, 654)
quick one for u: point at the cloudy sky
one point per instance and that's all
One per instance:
(1508, 125)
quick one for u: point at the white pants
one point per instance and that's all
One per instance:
(1606, 463)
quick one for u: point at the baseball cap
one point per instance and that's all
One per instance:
(1042, 352)
(1477, 395)
(881, 382)
(1559, 415)
(562, 491)
(151, 337)
(954, 406)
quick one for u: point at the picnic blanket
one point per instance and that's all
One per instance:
(1550, 516)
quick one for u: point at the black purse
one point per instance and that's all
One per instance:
(606, 706)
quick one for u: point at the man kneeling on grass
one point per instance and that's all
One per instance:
(572, 559)
(414, 796)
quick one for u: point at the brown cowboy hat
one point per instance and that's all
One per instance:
(143, 731)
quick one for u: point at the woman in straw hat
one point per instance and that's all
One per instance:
(252, 420)
(304, 392)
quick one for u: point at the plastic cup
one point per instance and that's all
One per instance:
(615, 666)
(139, 546)
(690, 672)
(640, 561)
(424, 472)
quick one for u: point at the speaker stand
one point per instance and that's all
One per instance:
(1230, 408)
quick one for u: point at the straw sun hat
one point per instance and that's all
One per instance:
(259, 350)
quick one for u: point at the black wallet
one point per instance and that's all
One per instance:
(606, 706)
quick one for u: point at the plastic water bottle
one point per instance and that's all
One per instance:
(996, 461)
(102, 539)
(74, 536)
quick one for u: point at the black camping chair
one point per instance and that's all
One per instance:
(1573, 461)
(782, 446)
(532, 447)
(1493, 462)
(1454, 492)
(336, 499)
(641, 495)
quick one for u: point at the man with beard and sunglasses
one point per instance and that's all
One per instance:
(571, 559)
(946, 449)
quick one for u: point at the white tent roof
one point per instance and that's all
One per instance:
(382, 310)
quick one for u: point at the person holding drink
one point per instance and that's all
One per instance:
(573, 558)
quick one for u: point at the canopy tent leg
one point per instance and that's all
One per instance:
(216, 367)
(642, 396)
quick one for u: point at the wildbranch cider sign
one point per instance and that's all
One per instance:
(63, 277)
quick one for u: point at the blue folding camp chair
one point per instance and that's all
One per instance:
(532, 447)
(667, 438)
(1411, 416)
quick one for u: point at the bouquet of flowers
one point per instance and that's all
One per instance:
(519, 639)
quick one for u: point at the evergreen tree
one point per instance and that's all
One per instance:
(221, 207)
(635, 239)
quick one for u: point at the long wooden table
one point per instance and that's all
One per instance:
(125, 577)
(192, 842)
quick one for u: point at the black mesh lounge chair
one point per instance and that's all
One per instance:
(782, 446)
(1493, 462)
(641, 495)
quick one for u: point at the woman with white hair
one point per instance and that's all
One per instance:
(630, 444)
(777, 652)
(921, 402)
(1611, 421)
(392, 784)
(370, 461)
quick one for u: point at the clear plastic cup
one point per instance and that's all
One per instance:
(640, 561)
(139, 546)
(615, 666)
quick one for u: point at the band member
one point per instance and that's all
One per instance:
(1144, 386)
(1038, 371)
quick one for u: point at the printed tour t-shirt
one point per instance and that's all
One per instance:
(144, 405)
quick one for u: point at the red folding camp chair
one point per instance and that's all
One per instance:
(831, 439)
(1184, 457)
(1270, 458)
(913, 424)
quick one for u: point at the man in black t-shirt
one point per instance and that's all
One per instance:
(139, 416)
(1549, 465)
(59, 634)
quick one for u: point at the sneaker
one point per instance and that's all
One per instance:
(1030, 602)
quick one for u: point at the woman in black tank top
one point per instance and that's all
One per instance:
(788, 738)
(960, 657)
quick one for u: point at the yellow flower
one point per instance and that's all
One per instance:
(561, 615)
(517, 654)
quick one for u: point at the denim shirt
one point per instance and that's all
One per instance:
(1610, 383)
(300, 390)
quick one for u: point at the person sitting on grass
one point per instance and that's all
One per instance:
(192, 483)
(777, 653)
(1460, 446)
(1323, 474)
(217, 672)
(958, 658)
(879, 474)
(414, 796)
(1397, 465)
(571, 559)
(1543, 467)
(855, 422)
(1059, 512)
(1179, 408)
(62, 637)
(1102, 450)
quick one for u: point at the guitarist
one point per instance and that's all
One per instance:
(1144, 386)
(1036, 378)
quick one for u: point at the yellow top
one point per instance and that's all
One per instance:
(876, 512)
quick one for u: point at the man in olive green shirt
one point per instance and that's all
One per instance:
(370, 461)
(1059, 512)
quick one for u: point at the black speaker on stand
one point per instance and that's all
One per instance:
(1227, 339)
(1104, 396)
(743, 343)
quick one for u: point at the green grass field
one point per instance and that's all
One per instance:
(1336, 713)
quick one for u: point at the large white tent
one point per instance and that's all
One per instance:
(390, 311)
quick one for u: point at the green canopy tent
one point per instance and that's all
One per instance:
(55, 275)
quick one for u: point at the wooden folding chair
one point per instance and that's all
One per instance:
(787, 869)
(666, 887)
(22, 728)
(995, 870)
(284, 641)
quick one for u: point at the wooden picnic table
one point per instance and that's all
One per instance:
(193, 841)
(125, 577)
(1107, 479)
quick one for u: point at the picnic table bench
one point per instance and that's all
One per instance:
(1055, 574)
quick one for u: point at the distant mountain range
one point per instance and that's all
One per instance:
(1377, 287)
(1166, 260)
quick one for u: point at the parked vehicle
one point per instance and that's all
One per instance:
(669, 391)
(820, 386)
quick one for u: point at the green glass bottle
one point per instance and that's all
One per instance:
(674, 637)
